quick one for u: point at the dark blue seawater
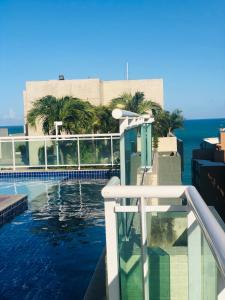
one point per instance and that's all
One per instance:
(14, 129)
(51, 250)
(192, 134)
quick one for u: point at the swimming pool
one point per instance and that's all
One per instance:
(51, 250)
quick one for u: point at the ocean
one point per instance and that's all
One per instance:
(192, 134)
(14, 129)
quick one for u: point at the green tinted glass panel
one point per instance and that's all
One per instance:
(21, 153)
(132, 157)
(116, 151)
(168, 255)
(6, 154)
(209, 272)
(130, 262)
(36, 153)
(67, 152)
(95, 151)
(51, 150)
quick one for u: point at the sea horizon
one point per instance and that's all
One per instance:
(185, 119)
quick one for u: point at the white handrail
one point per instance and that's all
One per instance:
(212, 230)
(133, 191)
(66, 136)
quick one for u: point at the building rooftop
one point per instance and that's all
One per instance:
(211, 140)
(210, 163)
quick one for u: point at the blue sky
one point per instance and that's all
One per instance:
(182, 42)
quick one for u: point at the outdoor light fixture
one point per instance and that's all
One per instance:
(57, 124)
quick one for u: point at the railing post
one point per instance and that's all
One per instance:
(123, 125)
(46, 155)
(111, 151)
(143, 146)
(112, 259)
(194, 258)
(78, 152)
(57, 150)
(14, 155)
(149, 145)
(144, 250)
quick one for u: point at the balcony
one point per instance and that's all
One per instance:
(173, 250)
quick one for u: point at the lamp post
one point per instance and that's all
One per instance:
(57, 124)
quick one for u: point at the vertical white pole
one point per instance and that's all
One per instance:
(111, 151)
(123, 125)
(56, 130)
(78, 152)
(144, 250)
(13, 154)
(57, 145)
(112, 250)
(46, 157)
(57, 153)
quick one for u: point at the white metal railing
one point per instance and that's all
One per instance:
(12, 156)
(197, 211)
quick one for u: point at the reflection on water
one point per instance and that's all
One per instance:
(51, 250)
(67, 208)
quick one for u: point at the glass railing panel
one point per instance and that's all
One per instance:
(116, 151)
(21, 153)
(95, 151)
(130, 261)
(209, 272)
(51, 151)
(167, 201)
(36, 153)
(132, 156)
(168, 255)
(68, 152)
(205, 277)
(6, 154)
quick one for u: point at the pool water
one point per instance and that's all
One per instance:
(51, 250)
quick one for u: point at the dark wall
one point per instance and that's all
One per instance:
(210, 182)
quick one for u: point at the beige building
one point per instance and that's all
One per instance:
(96, 91)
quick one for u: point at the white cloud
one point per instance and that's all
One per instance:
(10, 118)
(11, 115)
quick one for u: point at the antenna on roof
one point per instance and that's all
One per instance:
(61, 77)
(127, 71)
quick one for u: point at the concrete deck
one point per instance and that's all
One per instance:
(11, 206)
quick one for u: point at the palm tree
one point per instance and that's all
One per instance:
(46, 110)
(104, 122)
(166, 122)
(175, 121)
(136, 103)
(77, 115)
